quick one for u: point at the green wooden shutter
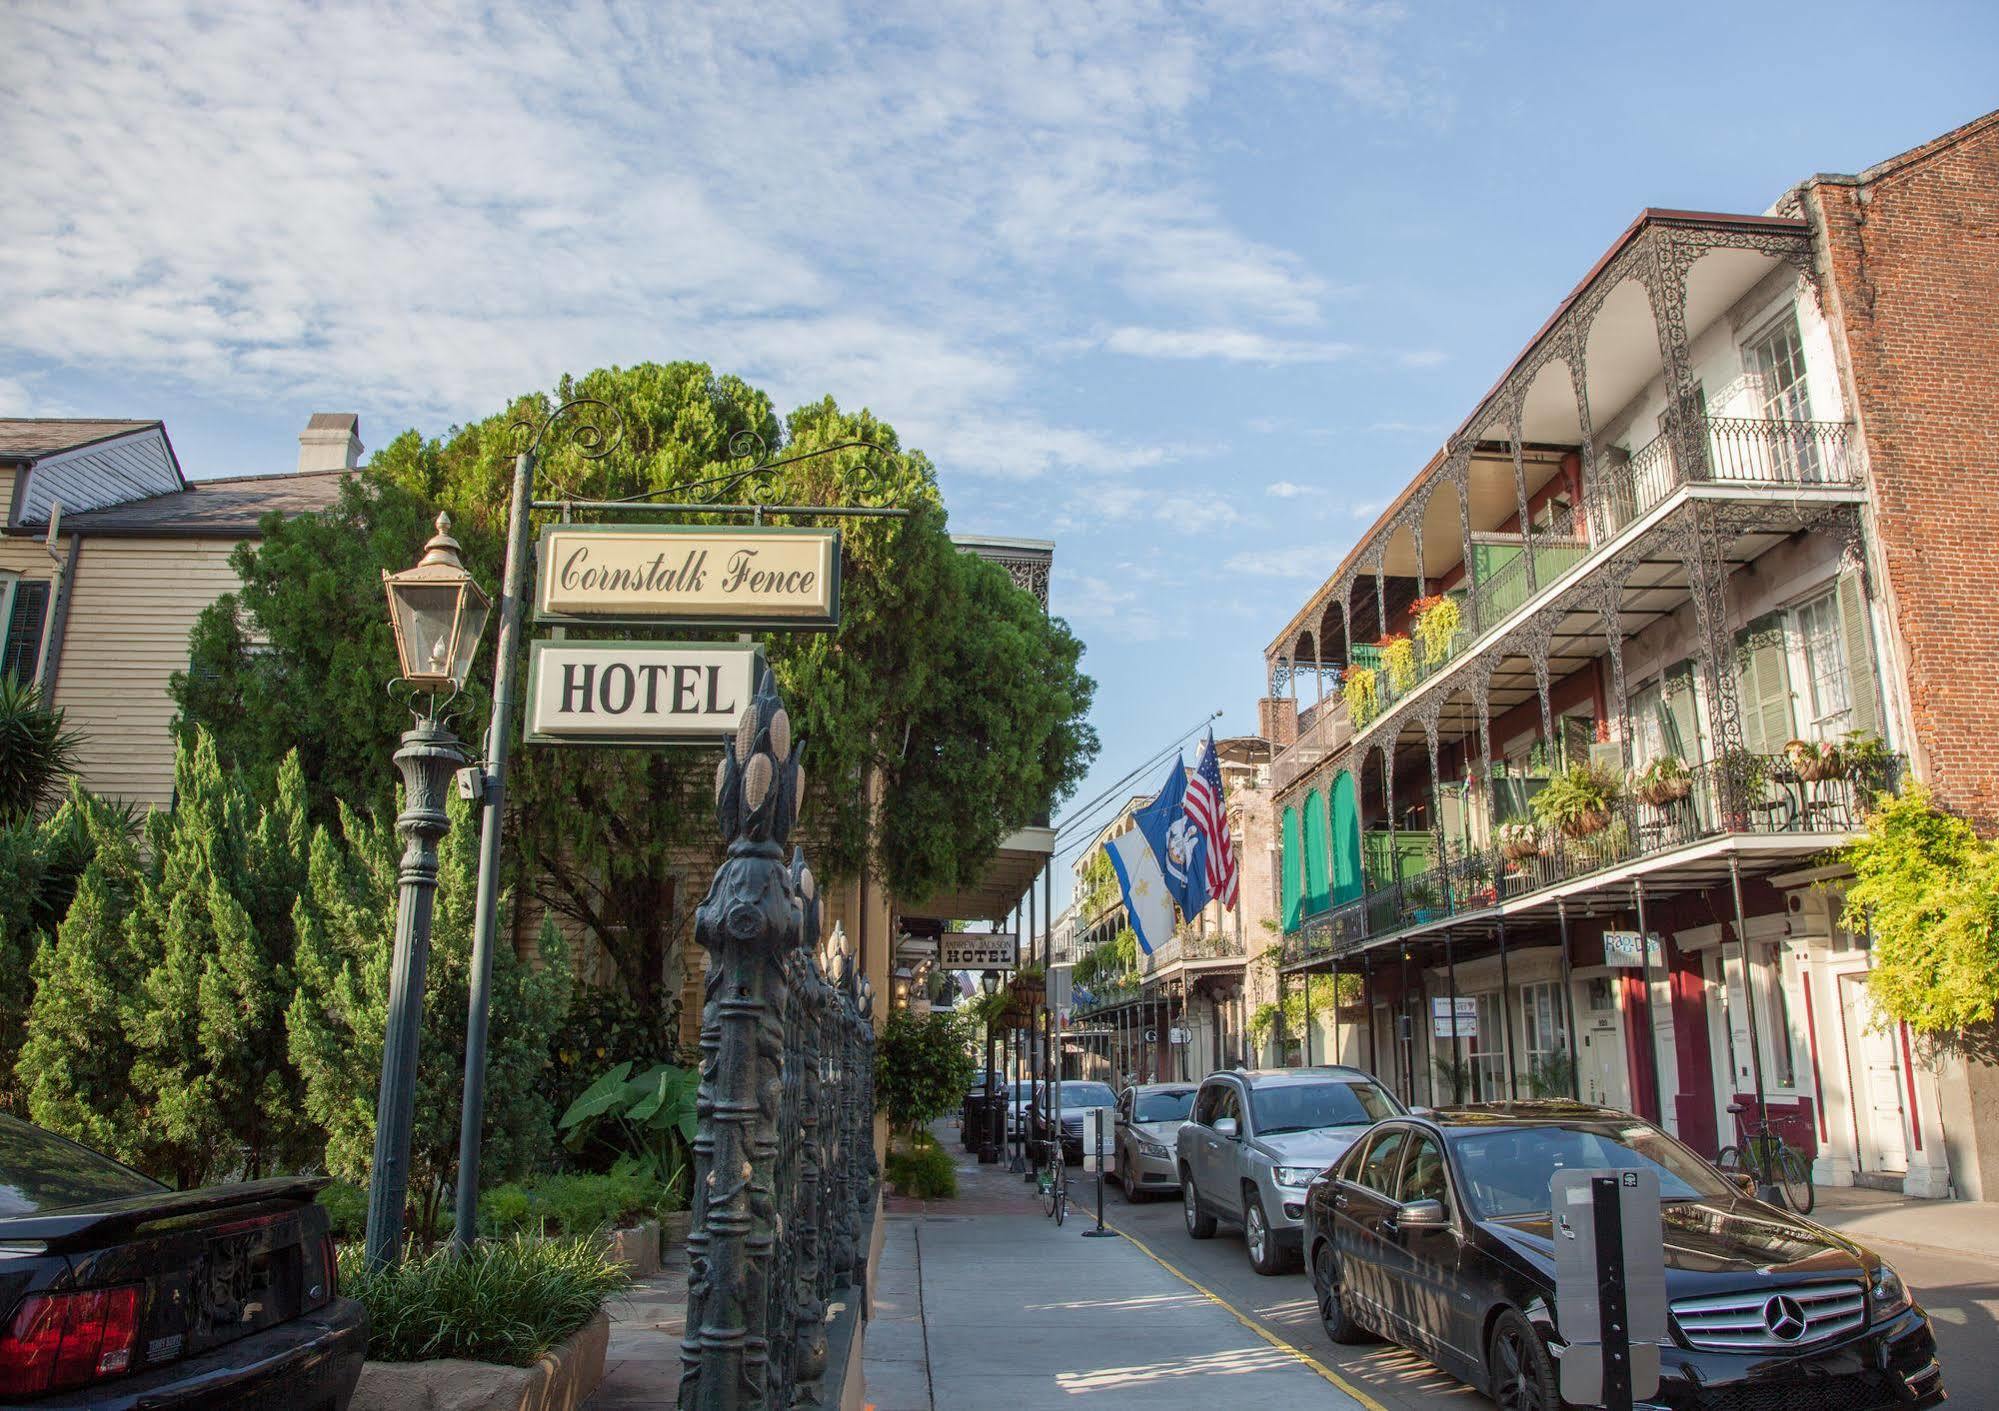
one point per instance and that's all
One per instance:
(1316, 855)
(1857, 640)
(1293, 853)
(1679, 717)
(1349, 882)
(1763, 685)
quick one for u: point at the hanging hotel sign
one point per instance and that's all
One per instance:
(638, 693)
(978, 950)
(761, 576)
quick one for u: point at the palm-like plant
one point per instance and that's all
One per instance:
(37, 755)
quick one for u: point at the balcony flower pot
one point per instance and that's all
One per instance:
(1584, 823)
(1815, 761)
(1519, 842)
(1578, 802)
(1664, 782)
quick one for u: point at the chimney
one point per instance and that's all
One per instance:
(330, 441)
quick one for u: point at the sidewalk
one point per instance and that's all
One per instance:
(984, 1305)
(1957, 1226)
(642, 1364)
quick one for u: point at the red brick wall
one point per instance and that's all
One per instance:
(1913, 253)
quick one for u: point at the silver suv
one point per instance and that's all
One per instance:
(1256, 1140)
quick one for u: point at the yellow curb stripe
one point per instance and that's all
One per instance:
(1248, 1322)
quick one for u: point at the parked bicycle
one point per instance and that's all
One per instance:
(1763, 1153)
(1055, 1190)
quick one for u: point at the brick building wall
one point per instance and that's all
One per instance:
(1913, 253)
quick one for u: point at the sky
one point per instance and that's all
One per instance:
(1192, 289)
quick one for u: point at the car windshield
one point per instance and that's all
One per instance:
(1509, 1172)
(1073, 1095)
(40, 1171)
(1337, 1102)
(1163, 1107)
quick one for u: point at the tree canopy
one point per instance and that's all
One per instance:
(944, 677)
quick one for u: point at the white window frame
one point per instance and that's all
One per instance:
(1821, 725)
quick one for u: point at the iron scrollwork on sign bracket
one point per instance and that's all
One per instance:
(784, 1169)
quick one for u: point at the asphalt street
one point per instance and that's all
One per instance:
(1961, 1293)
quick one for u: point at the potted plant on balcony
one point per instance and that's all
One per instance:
(1422, 901)
(1663, 782)
(1867, 758)
(1363, 695)
(1437, 620)
(1519, 841)
(1814, 761)
(1579, 802)
(1398, 659)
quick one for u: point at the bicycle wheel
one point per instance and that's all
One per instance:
(1061, 1202)
(1047, 1193)
(1794, 1179)
(1728, 1161)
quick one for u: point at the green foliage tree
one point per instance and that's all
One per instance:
(37, 755)
(1928, 885)
(334, 1026)
(207, 1024)
(923, 1067)
(76, 1059)
(905, 688)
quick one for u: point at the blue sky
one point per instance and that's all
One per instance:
(1189, 288)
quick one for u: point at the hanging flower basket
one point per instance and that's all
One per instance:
(1815, 760)
(1661, 793)
(1519, 842)
(1585, 823)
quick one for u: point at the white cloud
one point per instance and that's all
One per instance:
(1237, 345)
(1423, 357)
(471, 201)
(1285, 489)
(1302, 561)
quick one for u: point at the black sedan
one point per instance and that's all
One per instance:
(1434, 1232)
(117, 1292)
(1075, 1095)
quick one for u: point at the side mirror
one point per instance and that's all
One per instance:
(1226, 1127)
(1423, 1215)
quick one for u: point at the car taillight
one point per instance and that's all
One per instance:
(60, 1340)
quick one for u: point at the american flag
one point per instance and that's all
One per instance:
(1207, 812)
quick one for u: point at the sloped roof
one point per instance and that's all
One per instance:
(224, 508)
(32, 437)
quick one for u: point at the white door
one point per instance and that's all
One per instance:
(1600, 1044)
(1876, 1076)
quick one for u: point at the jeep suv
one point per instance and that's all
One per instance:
(1256, 1140)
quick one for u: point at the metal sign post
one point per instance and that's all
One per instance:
(1610, 1285)
(1095, 1119)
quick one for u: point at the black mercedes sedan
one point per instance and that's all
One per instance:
(1434, 1232)
(116, 1292)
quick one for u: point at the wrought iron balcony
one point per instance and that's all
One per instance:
(1740, 451)
(1751, 794)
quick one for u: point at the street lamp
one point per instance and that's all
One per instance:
(437, 612)
(989, 1115)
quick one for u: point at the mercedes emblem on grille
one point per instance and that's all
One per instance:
(1784, 1317)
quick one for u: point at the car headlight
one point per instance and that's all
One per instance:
(1888, 1295)
(1295, 1175)
(1154, 1150)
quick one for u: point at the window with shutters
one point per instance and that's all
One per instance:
(1664, 720)
(1763, 685)
(1828, 695)
(1778, 360)
(24, 605)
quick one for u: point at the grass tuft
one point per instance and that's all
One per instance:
(506, 1301)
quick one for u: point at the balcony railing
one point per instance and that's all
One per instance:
(1740, 451)
(1754, 794)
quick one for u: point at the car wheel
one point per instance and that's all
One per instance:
(1340, 1325)
(1261, 1241)
(1518, 1369)
(1127, 1182)
(1200, 1225)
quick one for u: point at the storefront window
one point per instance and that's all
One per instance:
(1547, 1042)
(1775, 1007)
(1488, 1051)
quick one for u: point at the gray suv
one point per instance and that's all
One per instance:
(1256, 1140)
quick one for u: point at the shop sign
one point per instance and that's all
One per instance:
(978, 950)
(638, 693)
(758, 576)
(1627, 948)
(1467, 1016)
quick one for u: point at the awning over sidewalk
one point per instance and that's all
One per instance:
(999, 887)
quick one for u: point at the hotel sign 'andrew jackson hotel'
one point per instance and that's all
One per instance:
(1739, 490)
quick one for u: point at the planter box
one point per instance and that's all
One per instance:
(561, 1381)
(637, 1248)
(673, 1229)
